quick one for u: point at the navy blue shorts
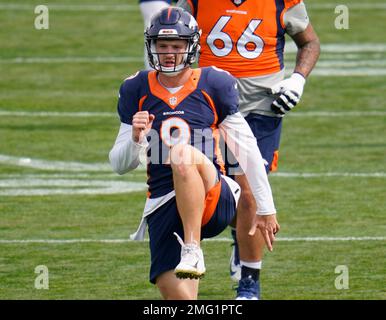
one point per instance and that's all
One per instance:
(165, 250)
(267, 131)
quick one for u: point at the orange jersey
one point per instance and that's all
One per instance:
(244, 37)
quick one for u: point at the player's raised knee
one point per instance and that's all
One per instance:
(185, 156)
(181, 158)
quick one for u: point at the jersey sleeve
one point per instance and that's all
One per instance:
(224, 92)
(125, 154)
(242, 144)
(129, 96)
(290, 3)
(296, 19)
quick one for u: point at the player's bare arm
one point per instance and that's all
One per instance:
(308, 45)
(251, 162)
(290, 90)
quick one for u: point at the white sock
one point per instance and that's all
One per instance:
(252, 265)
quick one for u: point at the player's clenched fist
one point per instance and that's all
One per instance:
(142, 122)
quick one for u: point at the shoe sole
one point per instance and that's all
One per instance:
(181, 274)
(254, 298)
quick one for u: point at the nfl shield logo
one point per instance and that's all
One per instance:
(173, 101)
(238, 2)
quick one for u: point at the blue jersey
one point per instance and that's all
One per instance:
(191, 115)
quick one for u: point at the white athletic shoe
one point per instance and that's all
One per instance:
(192, 264)
(234, 263)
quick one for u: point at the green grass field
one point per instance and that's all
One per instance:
(58, 94)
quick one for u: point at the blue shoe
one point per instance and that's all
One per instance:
(248, 289)
(234, 264)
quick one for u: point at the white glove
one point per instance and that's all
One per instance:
(290, 91)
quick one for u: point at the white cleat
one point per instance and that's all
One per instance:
(192, 264)
(234, 268)
(234, 263)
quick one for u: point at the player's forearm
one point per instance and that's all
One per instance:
(307, 57)
(308, 51)
(124, 156)
(242, 144)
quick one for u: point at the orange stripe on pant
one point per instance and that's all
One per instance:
(211, 200)
(275, 161)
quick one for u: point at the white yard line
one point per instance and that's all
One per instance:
(356, 62)
(73, 7)
(65, 183)
(336, 56)
(329, 174)
(287, 239)
(69, 166)
(323, 68)
(82, 114)
(74, 180)
(59, 114)
(28, 60)
(44, 187)
(351, 63)
(106, 190)
(290, 47)
(346, 72)
(67, 175)
(114, 241)
(128, 7)
(334, 114)
(338, 67)
(54, 165)
(350, 6)
(74, 175)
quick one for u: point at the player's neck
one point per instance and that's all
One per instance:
(176, 81)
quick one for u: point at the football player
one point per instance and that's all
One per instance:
(246, 38)
(176, 113)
